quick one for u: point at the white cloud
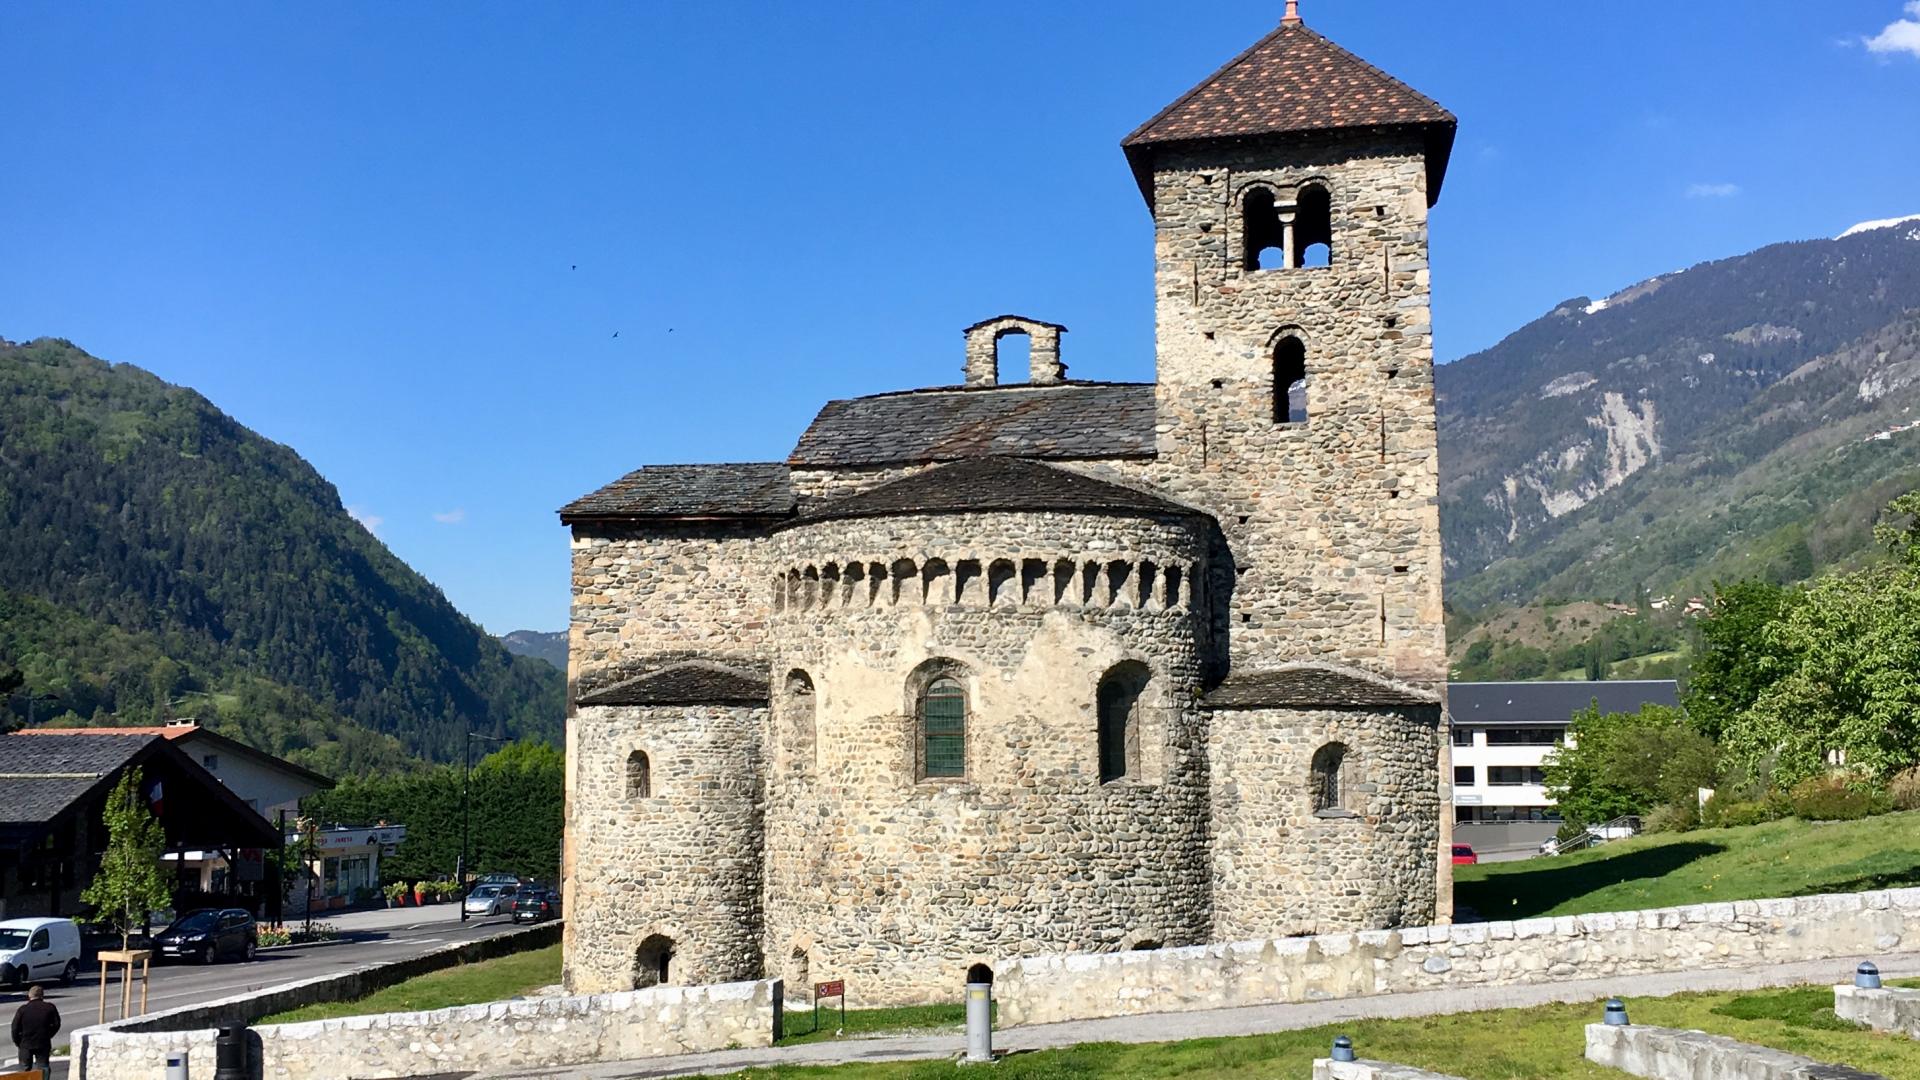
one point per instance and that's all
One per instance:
(451, 517)
(1901, 35)
(368, 520)
(1716, 191)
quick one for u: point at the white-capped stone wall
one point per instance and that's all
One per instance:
(1744, 933)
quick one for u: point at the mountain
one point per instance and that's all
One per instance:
(1745, 417)
(548, 645)
(157, 559)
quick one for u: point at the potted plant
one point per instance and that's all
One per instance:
(419, 894)
(396, 894)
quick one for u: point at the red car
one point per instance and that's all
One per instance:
(1463, 855)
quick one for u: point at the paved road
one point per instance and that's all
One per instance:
(372, 937)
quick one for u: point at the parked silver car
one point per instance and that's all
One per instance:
(491, 899)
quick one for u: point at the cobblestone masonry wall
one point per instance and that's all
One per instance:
(1044, 989)
(896, 883)
(1334, 524)
(640, 591)
(682, 862)
(1280, 866)
(531, 1033)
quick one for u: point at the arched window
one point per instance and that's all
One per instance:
(1313, 227)
(799, 708)
(943, 728)
(1118, 704)
(1290, 381)
(653, 962)
(1261, 231)
(1329, 765)
(639, 776)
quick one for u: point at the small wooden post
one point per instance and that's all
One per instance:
(127, 958)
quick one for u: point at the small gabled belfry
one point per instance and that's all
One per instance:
(1004, 668)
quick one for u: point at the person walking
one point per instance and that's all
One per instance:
(34, 1027)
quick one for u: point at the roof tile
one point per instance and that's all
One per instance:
(758, 489)
(1065, 422)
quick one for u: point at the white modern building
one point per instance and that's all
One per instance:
(1502, 734)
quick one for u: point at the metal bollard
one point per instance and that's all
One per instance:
(177, 1066)
(1867, 977)
(230, 1054)
(1616, 1013)
(979, 1013)
(1343, 1049)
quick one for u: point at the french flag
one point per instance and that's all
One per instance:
(154, 798)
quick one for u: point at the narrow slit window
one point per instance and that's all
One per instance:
(1290, 381)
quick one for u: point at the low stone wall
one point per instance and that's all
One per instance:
(1046, 989)
(1889, 1009)
(1671, 1054)
(1328, 1069)
(533, 1032)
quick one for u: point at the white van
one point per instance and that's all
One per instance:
(38, 950)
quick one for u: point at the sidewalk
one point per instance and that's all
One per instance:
(1259, 1020)
(377, 919)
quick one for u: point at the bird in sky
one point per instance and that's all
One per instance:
(616, 333)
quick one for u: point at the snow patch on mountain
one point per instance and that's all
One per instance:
(1571, 383)
(1884, 223)
(1596, 307)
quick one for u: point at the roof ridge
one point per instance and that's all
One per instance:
(1238, 59)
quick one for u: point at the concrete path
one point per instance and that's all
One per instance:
(1259, 1020)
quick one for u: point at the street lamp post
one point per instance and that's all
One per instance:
(466, 815)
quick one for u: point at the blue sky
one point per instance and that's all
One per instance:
(401, 238)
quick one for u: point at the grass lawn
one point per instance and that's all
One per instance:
(909, 1020)
(469, 984)
(1544, 1043)
(1779, 858)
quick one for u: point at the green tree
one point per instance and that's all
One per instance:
(1737, 658)
(1850, 688)
(1615, 764)
(129, 883)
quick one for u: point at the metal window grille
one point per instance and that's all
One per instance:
(943, 728)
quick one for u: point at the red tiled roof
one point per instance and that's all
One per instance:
(171, 731)
(1294, 80)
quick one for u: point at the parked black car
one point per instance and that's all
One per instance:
(536, 904)
(207, 935)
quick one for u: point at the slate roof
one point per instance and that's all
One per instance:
(1068, 421)
(1294, 80)
(205, 737)
(1552, 702)
(750, 490)
(1313, 686)
(997, 484)
(39, 778)
(691, 683)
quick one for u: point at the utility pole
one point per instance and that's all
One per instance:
(466, 815)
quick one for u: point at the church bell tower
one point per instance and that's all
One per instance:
(1290, 192)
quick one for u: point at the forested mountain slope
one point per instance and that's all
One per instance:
(159, 559)
(1714, 423)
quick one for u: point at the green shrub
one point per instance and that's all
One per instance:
(1730, 813)
(1904, 789)
(1835, 797)
(1672, 817)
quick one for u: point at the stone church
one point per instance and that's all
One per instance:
(1063, 665)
